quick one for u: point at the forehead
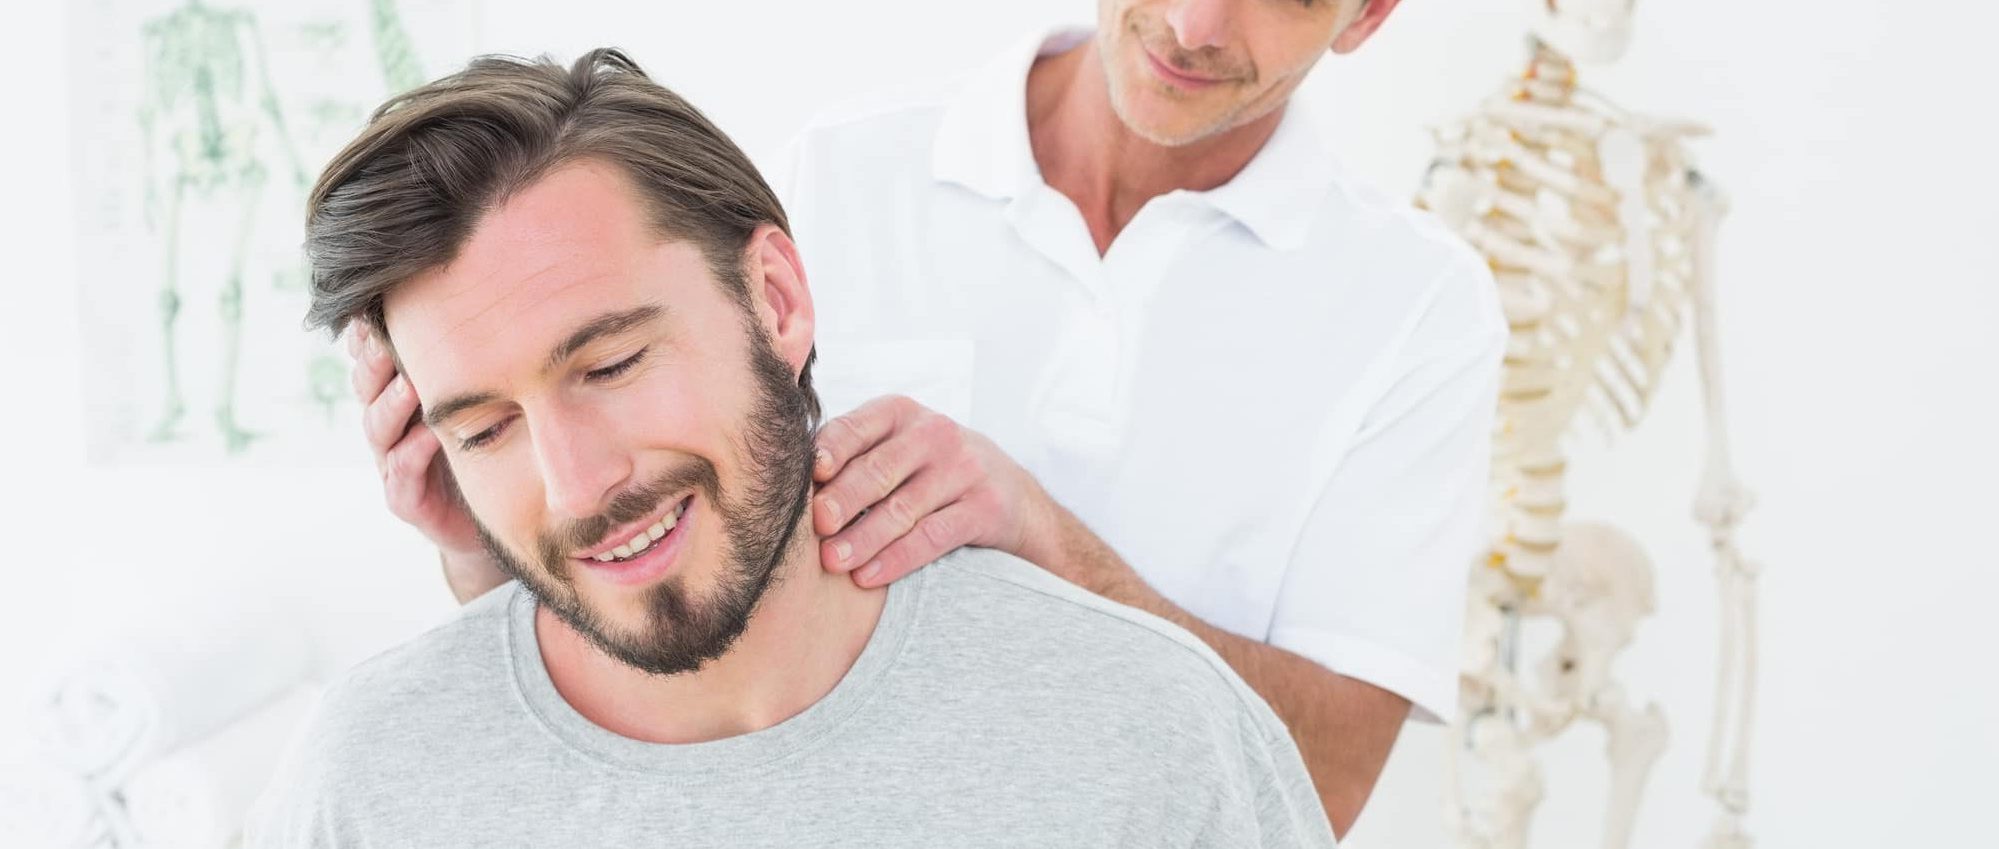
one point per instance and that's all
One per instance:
(569, 247)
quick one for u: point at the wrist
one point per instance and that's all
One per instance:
(469, 573)
(1041, 534)
(1081, 558)
(458, 560)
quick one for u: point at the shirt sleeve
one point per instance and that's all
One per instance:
(1375, 588)
(1270, 801)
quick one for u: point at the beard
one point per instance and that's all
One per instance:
(681, 632)
(1153, 36)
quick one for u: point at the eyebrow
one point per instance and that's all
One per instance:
(608, 324)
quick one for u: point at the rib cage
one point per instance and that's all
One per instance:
(1591, 329)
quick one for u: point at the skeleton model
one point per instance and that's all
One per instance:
(1601, 236)
(208, 97)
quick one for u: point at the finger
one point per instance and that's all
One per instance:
(936, 535)
(441, 480)
(851, 435)
(406, 471)
(869, 478)
(390, 416)
(373, 368)
(927, 492)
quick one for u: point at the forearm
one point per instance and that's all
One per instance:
(469, 575)
(1343, 727)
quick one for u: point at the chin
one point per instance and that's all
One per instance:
(1151, 117)
(621, 608)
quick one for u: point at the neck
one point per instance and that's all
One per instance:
(1088, 154)
(803, 636)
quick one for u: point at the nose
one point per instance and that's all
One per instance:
(581, 464)
(1199, 23)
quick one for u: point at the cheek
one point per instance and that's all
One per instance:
(1281, 73)
(690, 404)
(1287, 44)
(503, 493)
(1289, 58)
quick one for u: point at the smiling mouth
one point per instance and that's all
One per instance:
(645, 538)
(1175, 75)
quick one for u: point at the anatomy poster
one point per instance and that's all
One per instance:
(200, 125)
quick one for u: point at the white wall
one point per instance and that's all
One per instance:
(1859, 303)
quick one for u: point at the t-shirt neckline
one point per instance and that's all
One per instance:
(707, 761)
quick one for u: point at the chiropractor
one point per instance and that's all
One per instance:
(1129, 320)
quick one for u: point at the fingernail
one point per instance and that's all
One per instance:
(842, 551)
(402, 386)
(868, 574)
(822, 460)
(832, 509)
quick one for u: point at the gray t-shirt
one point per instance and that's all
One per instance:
(995, 705)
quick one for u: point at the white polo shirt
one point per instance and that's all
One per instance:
(1273, 399)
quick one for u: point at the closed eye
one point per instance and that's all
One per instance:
(609, 372)
(617, 368)
(482, 437)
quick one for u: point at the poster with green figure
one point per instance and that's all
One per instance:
(201, 124)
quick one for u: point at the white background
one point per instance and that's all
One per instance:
(1859, 304)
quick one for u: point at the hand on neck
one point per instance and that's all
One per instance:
(1086, 152)
(801, 639)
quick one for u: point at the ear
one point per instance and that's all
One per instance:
(779, 295)
(1363, 25)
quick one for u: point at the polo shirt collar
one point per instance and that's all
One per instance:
(1277, 195)
(982, 144)
(982, 141)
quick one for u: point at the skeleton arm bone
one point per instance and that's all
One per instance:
(149, 111)
(1721, 504)
(1722, 500)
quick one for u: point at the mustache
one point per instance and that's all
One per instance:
(626, 507)
(1210, 62)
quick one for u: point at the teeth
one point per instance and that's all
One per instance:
(645, 538)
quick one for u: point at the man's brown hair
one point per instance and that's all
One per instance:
(404, 197)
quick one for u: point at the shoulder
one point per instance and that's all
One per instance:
(1446, 288)
(880, 125)
(465, 648)
(1124, 698)
(1056, 632)
(1402, 234)
(354, 757)
(419, 690)
(987, 576)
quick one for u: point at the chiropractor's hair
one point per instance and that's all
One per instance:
(405, 196)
